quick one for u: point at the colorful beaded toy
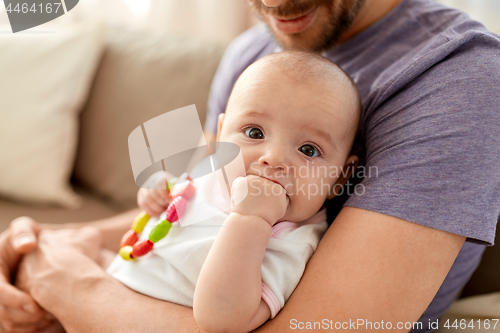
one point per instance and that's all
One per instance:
(130, 249)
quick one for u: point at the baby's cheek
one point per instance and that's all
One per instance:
(304, 202)
(234, 169)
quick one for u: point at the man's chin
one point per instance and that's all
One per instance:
(308, 40)
(298, 43)
(289, 42)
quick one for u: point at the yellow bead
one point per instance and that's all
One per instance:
(140, 222)
(125, 252)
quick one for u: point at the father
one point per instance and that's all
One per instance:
(401, 250)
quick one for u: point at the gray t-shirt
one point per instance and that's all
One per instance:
(429, 79)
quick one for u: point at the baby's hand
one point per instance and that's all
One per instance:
(154, 202)
(264, 198)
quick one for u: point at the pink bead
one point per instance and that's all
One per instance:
(176, 209)
(185, 190)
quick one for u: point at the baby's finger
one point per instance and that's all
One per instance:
(141, 205)
(159, 198)
(152, 208)
(164, 195)
(142, 201)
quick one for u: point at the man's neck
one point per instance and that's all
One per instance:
(371, 12)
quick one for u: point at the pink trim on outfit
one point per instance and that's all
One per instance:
(271, 300)
(285, 226)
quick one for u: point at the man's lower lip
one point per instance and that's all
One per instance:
(294, 26)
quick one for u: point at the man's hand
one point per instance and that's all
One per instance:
(18, 311)
(254, 195)
(41, 267)
(87, 240)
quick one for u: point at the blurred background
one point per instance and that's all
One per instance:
(217, 20)
(69, 100)
(114, 58)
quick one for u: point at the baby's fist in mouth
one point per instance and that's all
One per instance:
(258, 196)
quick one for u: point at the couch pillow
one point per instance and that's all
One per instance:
(45, 78)
(143, 74)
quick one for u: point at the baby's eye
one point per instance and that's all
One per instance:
(254, 133)
(309, 150)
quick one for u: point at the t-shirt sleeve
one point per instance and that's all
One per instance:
(220, 90)
(285, 260)
(433, 146)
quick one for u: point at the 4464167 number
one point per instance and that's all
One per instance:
(473, 323)
(24, 8)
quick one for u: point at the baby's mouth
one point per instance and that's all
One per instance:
(275, 181)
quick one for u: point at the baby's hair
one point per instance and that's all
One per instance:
(308, 65)
(305, 67)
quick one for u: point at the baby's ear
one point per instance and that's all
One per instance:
(350, 165)
(213, 146)
(220, 121)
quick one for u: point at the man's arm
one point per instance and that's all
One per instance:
(84, 298)
(17, 309)
(372, 267)
(112, 228)
(368, 266)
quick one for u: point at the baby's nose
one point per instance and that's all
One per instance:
(276, 159)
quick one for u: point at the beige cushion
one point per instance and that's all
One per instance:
(472, 315)
(44, 81)
(142, 75)
(91, 209)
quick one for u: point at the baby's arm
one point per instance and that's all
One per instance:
(228, 292)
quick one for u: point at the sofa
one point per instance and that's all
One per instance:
(137, 75)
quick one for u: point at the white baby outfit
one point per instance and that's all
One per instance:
(171, 270)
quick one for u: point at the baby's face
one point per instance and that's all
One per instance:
(295, 134)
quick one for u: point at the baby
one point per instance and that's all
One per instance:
(294, 116)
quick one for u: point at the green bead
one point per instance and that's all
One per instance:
(159, 231)
(171, 183)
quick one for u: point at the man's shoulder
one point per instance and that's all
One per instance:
(445, 31)
(425, 43)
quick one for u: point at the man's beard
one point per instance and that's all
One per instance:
(322, 35)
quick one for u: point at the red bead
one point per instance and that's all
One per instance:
(171, 212)
(142, 248)
(130, 238)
